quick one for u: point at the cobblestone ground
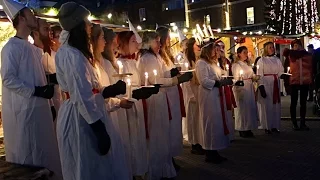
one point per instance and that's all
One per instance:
(288, 155)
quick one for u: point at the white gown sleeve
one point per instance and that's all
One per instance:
(148, 63)
(202, 72)
(10, 73)
(260, 71)
(80, 88)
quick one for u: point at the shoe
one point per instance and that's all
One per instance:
(304, 127)
(241, 133)
(267, 131)
(275, 130)
(244, 134)
(197, 149)
(250, 134)
(296, 127)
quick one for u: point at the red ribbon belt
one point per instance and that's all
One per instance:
(182, 107)
(225, 127)
(145, 114)
(276, 90)
(230, 100)
(94, 91)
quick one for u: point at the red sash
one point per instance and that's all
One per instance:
(95, 91)
(182, 107)
(223, 113)
(230, 100)
(276, 90)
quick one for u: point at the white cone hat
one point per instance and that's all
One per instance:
(11, 8)
(180, 36)
(131, 27)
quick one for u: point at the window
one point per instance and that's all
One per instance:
(142, 14)
(250, 15)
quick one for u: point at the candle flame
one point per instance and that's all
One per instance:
(129, 82)
(241, 72)
(119, 63)
(227, 66)
(146, 74)
(155, 72)
(257, 66)
(186, 64)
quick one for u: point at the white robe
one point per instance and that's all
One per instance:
(78, 145)
(191, 122)
(269, 113)
(118, 114)
(135, 118)
(27, 121)
(210, 115)
(160, 158)
(50, 68)
(246, 113)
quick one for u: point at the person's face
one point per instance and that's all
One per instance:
(44, 29)
(29, 19)
(296, 47)
(243, 55)
(155, 45)
(270, 50)
(215, 54)
(55, 38)
(184, 45)
(196, 48)
(133, 45)
(114, 45)
(101, 42)
(88, 26)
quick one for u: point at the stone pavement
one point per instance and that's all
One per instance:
(287, 156)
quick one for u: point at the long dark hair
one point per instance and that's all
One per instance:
(191, 56)
(123, 39)
(80, 40)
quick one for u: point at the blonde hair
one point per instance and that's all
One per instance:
(265, 49)
(147, 37)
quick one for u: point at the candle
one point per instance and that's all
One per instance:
(186, 65)
(241, 75)
(129, 88)
(120, 67)
(155, 76)
(206, 31)
(218, 64)
(257, 67)
(288, 70)
(146, 79)
(227, 69)
(200, 30)
(252, 65)
(179, 58)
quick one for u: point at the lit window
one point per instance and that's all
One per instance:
(250, 15)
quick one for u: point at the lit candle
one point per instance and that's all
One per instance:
(218, 64)
(252, 65)
(200, 30)
(227, 69)
(257, 67)
(179, 58)
(120, 67)
(186, 65)
(288, 70)
(206, 31)
(155, 76)
(146, 79)
(129, 88)
(241, 74)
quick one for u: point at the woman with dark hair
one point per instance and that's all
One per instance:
(246, 114)
(269, 102)
(159, 112)
(190, 98)
(174, 93)
(86, 135)
(212, 108)
(128, 47)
